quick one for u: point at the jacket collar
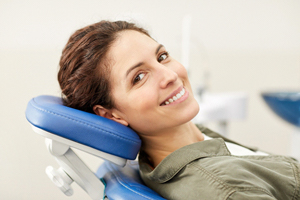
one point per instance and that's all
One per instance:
(177, 160)
(213, 134)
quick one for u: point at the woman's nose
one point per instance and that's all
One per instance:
(168, 76)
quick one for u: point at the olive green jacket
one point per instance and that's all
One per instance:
(206, 170)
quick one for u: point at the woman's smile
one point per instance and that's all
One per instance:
(176, 97)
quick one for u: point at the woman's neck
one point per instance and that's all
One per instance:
(160, 145)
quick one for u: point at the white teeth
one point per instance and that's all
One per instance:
(182, 91)
(176, 97)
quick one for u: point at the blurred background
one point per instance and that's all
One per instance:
(235, 46)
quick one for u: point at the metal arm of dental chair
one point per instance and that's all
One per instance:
(72, 169)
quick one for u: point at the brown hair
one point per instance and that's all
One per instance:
(84, 69)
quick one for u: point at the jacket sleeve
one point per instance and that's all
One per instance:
(250, 195)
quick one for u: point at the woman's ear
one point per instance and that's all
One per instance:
(107, 113)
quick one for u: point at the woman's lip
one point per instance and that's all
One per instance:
(173, 94)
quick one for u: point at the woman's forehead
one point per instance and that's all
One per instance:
(132, 41)
(131, 47)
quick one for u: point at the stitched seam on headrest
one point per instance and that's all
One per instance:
(82, 122)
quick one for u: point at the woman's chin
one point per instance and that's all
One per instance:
(191, 112)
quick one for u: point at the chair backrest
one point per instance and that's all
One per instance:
(123, 183)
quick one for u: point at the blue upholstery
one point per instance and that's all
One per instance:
(125, 183)
(48, 113)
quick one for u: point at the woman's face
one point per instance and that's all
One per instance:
(150, 89)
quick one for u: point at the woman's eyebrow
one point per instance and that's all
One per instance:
(133, 67)
(141, 63)
(158, 48)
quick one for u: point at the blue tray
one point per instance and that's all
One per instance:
(284, 104)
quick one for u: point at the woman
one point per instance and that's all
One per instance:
(116, 70)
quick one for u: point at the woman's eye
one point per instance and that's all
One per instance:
(163, 57)
(138, 78)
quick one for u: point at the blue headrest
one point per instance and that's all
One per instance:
(49, 113)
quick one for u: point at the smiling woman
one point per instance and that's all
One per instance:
(143, 72)
(116, 70)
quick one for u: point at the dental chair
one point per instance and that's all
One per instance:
(65, 128)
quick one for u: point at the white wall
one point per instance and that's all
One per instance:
(250, 46)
